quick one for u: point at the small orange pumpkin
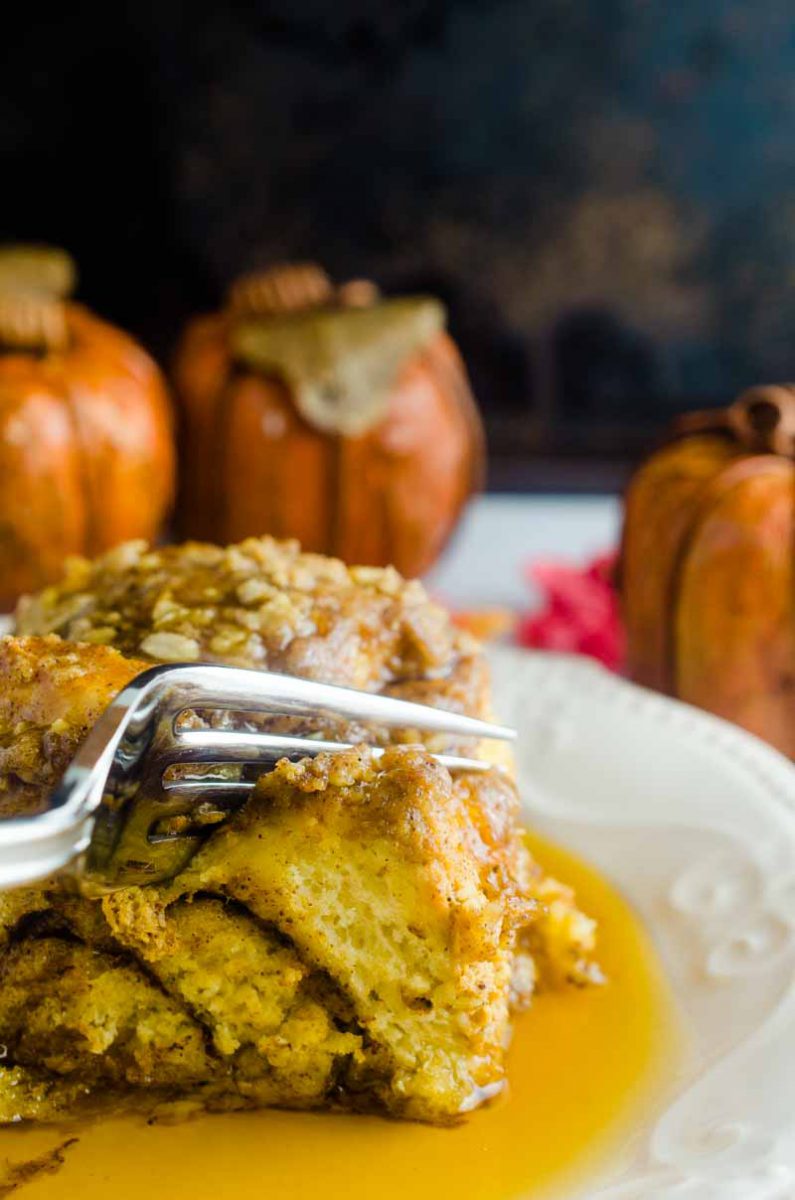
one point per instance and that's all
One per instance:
(328, 415)
(708, 565)
(86, 448)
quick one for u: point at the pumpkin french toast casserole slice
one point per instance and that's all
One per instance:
(357, 936)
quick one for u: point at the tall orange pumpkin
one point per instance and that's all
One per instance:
(708, 565)
(328, 415)
(86, 448)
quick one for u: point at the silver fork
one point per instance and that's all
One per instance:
(143, 791)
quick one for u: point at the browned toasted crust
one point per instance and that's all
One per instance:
(51, 692)
(356, 936)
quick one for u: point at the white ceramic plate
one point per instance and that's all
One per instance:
(694, 820)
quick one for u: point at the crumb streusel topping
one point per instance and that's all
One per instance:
(262, 603)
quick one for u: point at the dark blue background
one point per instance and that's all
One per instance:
(602, 190)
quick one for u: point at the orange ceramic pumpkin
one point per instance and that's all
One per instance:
(327, 415)
(708, 565)
(86, 450)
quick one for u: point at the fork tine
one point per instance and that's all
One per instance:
(212, 686)
(205, 786)
(213, 746)
(222, 746)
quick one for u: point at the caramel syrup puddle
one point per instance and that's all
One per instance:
(584, 1066)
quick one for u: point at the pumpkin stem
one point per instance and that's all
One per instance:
(44, 269)
(763, 419)
(707, 420)
(294, 288)
(32, 322)
(287, 288)
(34, 282)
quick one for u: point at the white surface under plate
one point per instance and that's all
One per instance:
(694, 820)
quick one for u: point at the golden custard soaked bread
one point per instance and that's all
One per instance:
(356, 936)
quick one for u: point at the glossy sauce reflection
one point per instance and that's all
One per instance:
(582, 1066)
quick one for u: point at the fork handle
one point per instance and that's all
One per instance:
(31, 848)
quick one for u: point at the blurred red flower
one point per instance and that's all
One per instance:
(579, 612)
